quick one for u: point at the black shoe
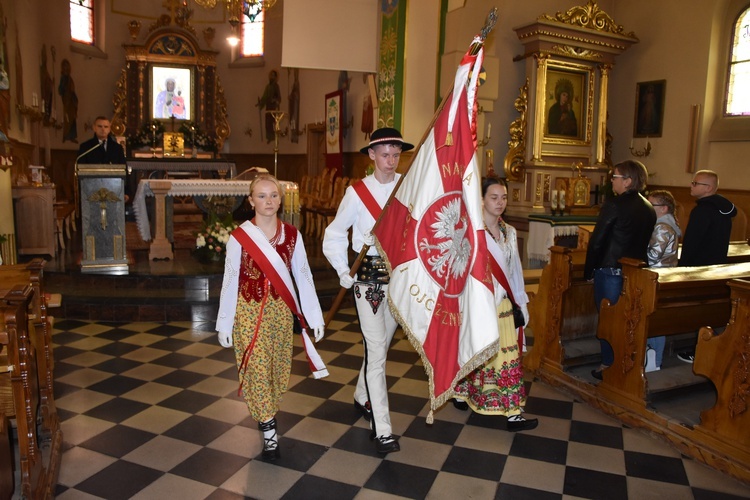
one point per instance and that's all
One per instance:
(460, 405)
(387, 444)
(521, 424)
(365, 409)
(597, 374)
(270, 445)
(686, 356)
(271, 454)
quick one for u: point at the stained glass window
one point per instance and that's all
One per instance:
(82, 21)
(253, 34)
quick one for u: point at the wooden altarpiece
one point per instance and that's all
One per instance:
(561, 134)
(172, 53)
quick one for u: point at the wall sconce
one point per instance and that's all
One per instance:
(641, 153)
(483, 142)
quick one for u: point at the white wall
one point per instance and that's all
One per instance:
(675, 45)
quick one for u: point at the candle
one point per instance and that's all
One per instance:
(553, 199)
(561, 203)
(489, 129)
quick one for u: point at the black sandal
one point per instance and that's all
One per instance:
(270, 445)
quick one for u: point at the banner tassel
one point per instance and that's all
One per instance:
(449, 139)
(430, 417)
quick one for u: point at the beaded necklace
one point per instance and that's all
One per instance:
(503, 230)
(278, 236)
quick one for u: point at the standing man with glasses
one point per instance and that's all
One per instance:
(623, 229)
(707, 234)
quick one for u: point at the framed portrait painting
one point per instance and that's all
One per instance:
(567, 105)
(649, 108)
(171, 92)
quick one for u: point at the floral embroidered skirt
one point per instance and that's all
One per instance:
(269, 365)
(496, 388)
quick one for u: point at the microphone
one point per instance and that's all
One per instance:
(87, 152)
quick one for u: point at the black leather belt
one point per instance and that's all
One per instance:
(373, 270)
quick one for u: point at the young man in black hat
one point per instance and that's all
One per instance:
(359, 209)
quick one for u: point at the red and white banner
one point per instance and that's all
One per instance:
(432, 235)
(334, 149)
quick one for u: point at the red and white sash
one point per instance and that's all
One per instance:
(371, 204)
(498, 271)
(270, 262)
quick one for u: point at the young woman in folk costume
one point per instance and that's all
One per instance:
(497, 387)
(258, 303)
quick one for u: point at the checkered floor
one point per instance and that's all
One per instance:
(151, 411)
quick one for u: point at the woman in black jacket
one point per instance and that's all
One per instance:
(623, 229)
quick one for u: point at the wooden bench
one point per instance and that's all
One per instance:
(32, 274)
(655, 302)
(20, 394)
(563, 316)
(725, 360)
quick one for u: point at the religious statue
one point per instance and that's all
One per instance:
(67, 91)
(271, 101)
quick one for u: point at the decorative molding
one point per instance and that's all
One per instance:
(514, 159)
(589, 16)
(577, 52)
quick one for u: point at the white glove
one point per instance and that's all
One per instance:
(369, 239)
(525, 311)
(225, 339)
(319, 331)
(345, 280)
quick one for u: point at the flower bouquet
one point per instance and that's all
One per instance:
(211, 241)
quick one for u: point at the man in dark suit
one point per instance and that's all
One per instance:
(108, 150)
(103, 149)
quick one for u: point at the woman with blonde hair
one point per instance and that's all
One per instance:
(259, 307)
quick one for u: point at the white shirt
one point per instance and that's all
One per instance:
(353, 214)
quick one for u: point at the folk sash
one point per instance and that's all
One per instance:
(269, 261)
(497, 271)
(368, 199)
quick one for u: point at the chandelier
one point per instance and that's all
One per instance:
(237, 8)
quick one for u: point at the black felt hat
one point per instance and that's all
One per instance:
(387, 135)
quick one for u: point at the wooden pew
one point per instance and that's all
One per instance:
(563, 316)
(19, 394)
(654, 302)
(725, 360)
(33, 274)
(739, 251)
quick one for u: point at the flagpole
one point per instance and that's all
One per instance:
(473, 50)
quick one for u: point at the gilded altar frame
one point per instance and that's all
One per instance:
(167, 46)
(574, 50)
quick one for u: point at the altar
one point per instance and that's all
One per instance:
(160, 189)
(223, 168)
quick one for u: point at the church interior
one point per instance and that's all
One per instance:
(112, 381)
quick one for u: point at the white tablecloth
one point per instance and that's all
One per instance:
(189, 187)
(542, 236)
